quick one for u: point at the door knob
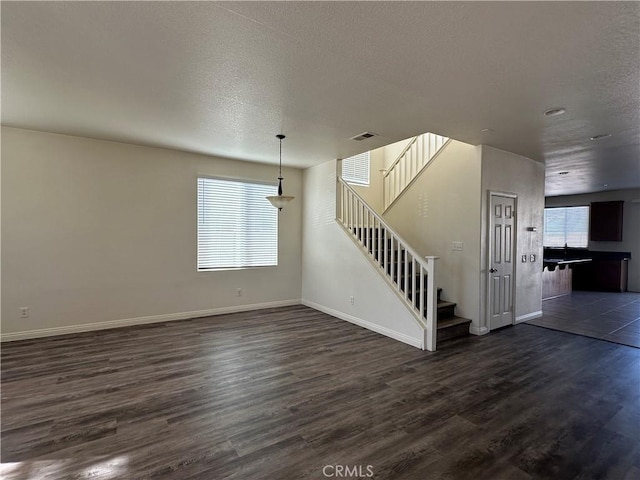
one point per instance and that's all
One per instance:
(493, 270)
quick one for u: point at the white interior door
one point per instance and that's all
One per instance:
(501, 261)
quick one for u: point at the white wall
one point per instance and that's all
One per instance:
(334, 268)
(440, 207)
(504, 172)
(630, 225)
(96, 231)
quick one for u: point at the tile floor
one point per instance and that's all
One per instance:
(614, 317)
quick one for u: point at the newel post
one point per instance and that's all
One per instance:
(432, 305)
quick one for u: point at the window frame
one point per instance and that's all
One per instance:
(200, 263)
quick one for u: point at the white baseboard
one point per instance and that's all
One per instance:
(127, 322)
(473, 330)
(528, 316)
(401, 337)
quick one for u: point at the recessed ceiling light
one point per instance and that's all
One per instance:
(563, 173)
(487, 130)
(555, 111)
(602, 135)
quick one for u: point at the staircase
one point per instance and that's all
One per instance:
(411, 161)
(410, 275)
(450, 326)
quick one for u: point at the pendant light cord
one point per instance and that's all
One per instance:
(280, 137)
(280, 157)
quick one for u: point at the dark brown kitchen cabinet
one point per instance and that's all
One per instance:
(603, 275)
(605, 221)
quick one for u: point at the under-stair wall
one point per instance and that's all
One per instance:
(443, 206)
(334, 269)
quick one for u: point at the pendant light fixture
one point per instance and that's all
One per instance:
(280, 200)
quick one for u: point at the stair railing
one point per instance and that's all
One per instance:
(411, 161)
(411, 276)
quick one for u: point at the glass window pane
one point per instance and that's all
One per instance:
(356, 169)
(566, 226)
(237, 226)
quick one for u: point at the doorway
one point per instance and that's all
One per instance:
(501, 264)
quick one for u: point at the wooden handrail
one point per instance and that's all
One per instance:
(397, 160)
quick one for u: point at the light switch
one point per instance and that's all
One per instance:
(524, 259)
(532, 257)
(457, 246)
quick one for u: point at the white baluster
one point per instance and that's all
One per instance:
(379, 243)
(385, 253)
(406, 274)
(398, 263)
(367, 234)
(393, 258)
(420, 292)
(413, 284)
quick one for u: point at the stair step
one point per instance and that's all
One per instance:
(444, 304)
(452, 322)
(446, 309)
(454, 327)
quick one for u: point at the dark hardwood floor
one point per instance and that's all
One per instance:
(610, 316)
(292, 393)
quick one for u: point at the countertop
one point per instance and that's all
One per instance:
(552, 263)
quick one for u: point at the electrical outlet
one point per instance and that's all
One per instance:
(532, 258)
(238, 292)
(524, 259)
(24, 312)
(457, 246)
(352, 300)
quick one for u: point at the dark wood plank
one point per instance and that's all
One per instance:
(281, 393)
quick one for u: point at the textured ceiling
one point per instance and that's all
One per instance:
(224, 78)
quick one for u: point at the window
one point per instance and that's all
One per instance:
(237, 226)
(356, 169)
(566, 226)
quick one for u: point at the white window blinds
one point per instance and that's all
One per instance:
(237, 226)
(566, 226)
(356, 169)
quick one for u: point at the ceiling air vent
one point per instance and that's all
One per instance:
(363, 136)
